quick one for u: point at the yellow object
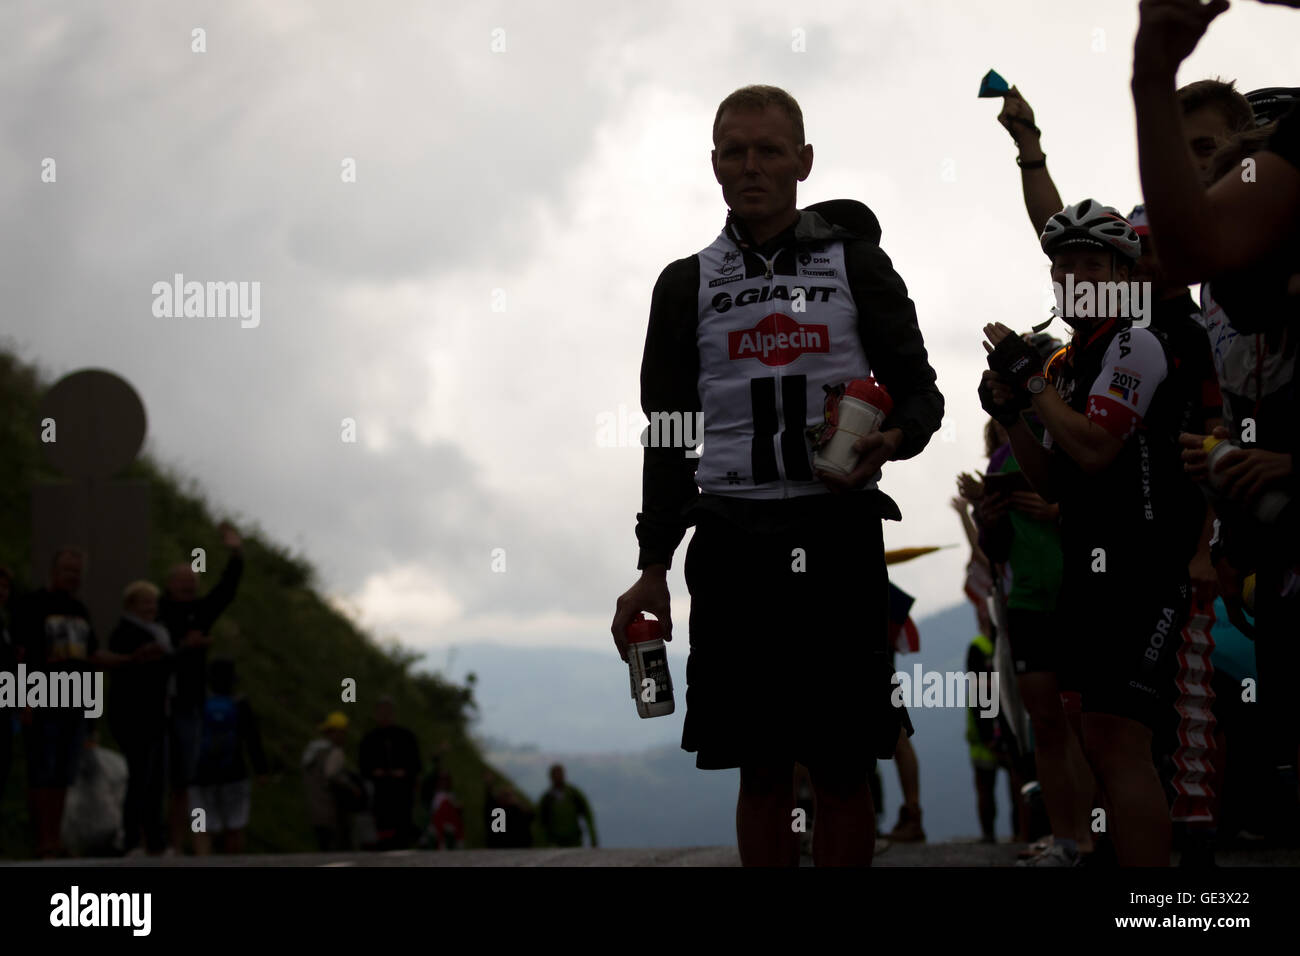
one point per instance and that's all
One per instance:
(1248, 592)
(1210, 442)
(907, 554)
(335, 721)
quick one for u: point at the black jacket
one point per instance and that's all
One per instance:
(180, 617)
(890, 338)
(137, 692)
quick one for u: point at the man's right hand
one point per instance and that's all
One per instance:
(992, 507)
(1000, 399)
(1035, 505)
(1194, 453)
(970, 487)
(650, 593)
(1017, 118)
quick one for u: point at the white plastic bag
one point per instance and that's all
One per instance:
(92, 815)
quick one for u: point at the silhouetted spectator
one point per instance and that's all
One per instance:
(390, 761)
(429, 785)
(446, 821)
(333, 793)
(188, 619)
(222, 787)
(512, 828)
(8, 663)
(55, 636)
(138, 700)
(561, 808)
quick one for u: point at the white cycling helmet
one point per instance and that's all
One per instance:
(1089, 223)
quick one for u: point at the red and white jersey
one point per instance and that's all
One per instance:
(770, 334)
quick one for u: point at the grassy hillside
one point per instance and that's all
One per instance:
(291, 648)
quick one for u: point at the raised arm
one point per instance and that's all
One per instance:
(1042, 199)
(215, 602)
(1199, 233)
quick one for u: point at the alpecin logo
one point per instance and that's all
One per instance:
(777, 340)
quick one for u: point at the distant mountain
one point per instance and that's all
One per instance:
(542, 705)
(560, 699)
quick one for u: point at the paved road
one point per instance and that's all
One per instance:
(928, 854)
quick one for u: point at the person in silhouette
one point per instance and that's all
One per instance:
(561, 809)
(138, 702)
(222, 785)
(332, 792)
(54, 633)
(9, 664)
(188, 618)
(750, 339)
(390, 761)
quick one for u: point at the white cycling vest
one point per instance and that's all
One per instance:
(763, 364)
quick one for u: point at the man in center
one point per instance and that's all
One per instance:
(788, 648)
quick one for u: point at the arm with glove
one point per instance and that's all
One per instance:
(1017, 366)
(1004, 395)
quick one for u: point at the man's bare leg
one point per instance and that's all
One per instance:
(764, 815)
(1119, 750)
(1059, 759)
(845, 834)
(909, 771)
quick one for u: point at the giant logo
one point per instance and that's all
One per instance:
(777, 340)
(722, 302)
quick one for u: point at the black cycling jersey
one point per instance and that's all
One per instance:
(1194, 376)
(1140, 509)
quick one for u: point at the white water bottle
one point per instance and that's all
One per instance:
(647, 662)
(1267, 506)
(864, 405)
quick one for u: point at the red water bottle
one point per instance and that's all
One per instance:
(647, 661)
(860, 411)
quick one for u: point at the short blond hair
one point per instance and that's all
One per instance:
(136, 589)
(760, 97)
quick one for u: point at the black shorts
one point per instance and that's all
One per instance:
(790, 664)
(1121, 637)
(1035, 641)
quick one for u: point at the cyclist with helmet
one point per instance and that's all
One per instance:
(1212, 110)
(1020, 530)
(1109, 457)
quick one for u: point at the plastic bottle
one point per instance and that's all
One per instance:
(647, 659)
(862, 408)
(1267, 506)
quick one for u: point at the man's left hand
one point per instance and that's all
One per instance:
(1249, 472)
(1168, 31)
(875, 449)
(1014, 359)
(230, 537)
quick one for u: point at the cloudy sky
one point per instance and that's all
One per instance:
(565, 168)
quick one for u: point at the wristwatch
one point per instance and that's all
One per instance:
(1036, 384)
